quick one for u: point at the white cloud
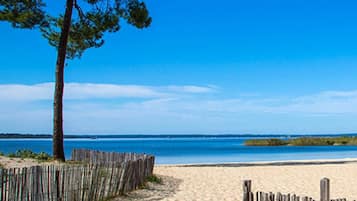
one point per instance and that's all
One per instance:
(327, 102)
(173, 109)
(73, 91)
(191, 89)
(88, 91)
(26, 92)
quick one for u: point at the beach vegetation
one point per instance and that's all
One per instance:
(25, 153)
(154, 179)
(151, 179)
(266, 142)
(81, 26)
(304, 141)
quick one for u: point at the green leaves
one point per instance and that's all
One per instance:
(23, 13)
(88, 25)
(138, 15)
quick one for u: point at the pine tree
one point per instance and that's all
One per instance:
(82, 26)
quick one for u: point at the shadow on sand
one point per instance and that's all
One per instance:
(153, 191)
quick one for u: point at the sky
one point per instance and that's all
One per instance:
(202, 67)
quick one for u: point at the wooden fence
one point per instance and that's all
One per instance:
(248, 195)
(99, 157)
(81, 182)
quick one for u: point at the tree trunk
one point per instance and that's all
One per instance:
(58, 151)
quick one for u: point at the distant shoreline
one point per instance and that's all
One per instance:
(267, 163)
(35, 136)
(304, 141)
(89, 136)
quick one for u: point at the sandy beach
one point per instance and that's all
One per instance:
(225, 183)
(218, 182)
(7, 162)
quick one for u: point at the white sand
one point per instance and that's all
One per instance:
(225, 183)
(7, 162)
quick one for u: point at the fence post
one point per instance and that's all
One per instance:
(325, 189)
(247, 188)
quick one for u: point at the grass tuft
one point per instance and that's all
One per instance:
(154, 179)
(25, 153)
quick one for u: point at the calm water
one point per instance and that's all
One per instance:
(188, 150)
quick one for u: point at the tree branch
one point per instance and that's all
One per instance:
(79, 10)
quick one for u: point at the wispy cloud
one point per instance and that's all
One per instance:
(192, 89)
(327, 102)
(172, 109)
(26, 92)
(44, 91)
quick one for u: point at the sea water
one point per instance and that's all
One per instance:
(189, 150)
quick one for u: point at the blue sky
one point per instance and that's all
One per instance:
(202, 67)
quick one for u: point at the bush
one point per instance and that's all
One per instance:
(304, 141)
(154, 179)
(266, 142)
(310, 141)
(43, 156)
(25, 153)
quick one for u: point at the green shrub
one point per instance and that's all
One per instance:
(266, 142)
(304, 141)
(154, 179)
(43, 156)
(25, 153)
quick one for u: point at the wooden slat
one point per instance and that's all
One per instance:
(104, 175)
(247, 186)
(263, 196)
